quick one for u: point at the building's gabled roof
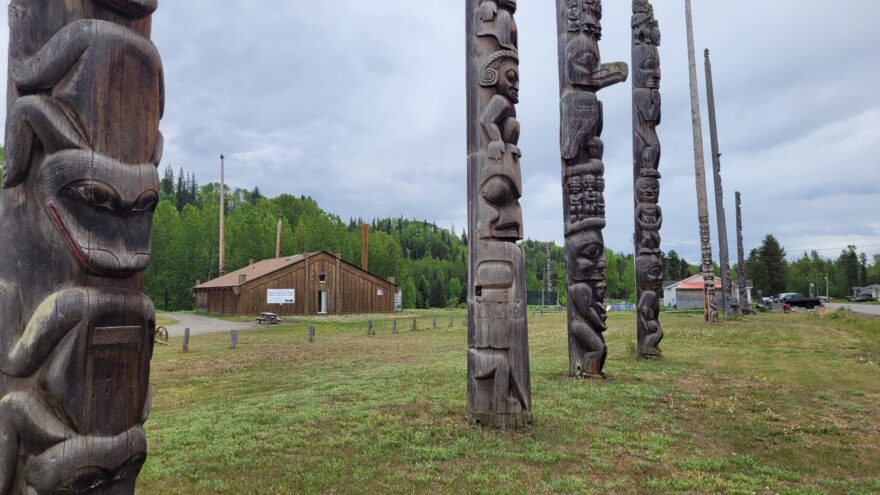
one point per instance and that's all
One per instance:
(253, 272)
(694, 283)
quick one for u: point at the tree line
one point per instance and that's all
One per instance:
(772, 273)
(429, 262)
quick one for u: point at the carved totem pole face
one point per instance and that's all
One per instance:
(648, 189)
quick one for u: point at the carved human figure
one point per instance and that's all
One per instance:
(649, 218)
(80, 186)
(585, 251)
(501, 72)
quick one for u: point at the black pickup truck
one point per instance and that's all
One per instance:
(798, 300)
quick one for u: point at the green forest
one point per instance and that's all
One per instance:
(428, 261)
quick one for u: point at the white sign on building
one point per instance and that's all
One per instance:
(281, 296)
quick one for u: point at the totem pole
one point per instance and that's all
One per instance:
(581, 75)
(710, 310)
(741, 276)
(646, 176)
(499, 387)
(85, 96)
(723, 248)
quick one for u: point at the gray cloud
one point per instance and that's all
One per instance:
(361, 105)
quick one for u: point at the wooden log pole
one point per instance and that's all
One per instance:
(435, 323)
(581, 76)
(394, 326)
(646, 177)
(80, 184)
(370, 328)
(233, 335)
(720, 215)
(710, 311)
(185, 347)
(499, 383)
(415, 325)
(311, 333)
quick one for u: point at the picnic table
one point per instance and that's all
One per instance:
(268, 319)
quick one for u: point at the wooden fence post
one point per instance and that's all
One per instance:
(394, 325)
(186, 340)
(370, 330)
(234, 337)
(450, 322)
(415, 326)
(435, 323)
(311, 333)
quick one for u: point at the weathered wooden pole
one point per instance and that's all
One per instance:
(185, 347)
(278, 238)
(311, 333)
(394, 326)
(365, 247)
(724, 255)
(233, 337)
(646, 176)
(709, 310)
(741, 275)
(499, 386)
(84, 100)
(222, 218)
(581, 76)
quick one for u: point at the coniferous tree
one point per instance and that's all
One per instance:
(772, 256)
(167, 185)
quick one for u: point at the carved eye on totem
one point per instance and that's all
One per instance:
(87, 479)
(94, 194)
(655, 272)
(591, 250)
(145, 203)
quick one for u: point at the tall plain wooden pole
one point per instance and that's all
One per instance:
(700, 175)
(278, 238)
(222, 218)
(721, 215)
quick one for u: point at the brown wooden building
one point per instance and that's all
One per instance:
(321, 284)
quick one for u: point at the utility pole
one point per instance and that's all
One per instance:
(724, 255)
(222, 218)
(827, 293)
(700, 175)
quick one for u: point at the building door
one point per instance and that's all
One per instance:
(322, 302)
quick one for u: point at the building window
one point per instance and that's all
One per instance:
(380, 292)
(322, 278)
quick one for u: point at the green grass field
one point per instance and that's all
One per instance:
(786, 404)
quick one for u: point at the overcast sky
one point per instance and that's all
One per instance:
(361, 105)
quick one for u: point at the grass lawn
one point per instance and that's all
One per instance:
(786, 404)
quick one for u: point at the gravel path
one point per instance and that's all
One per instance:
(201, 325)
